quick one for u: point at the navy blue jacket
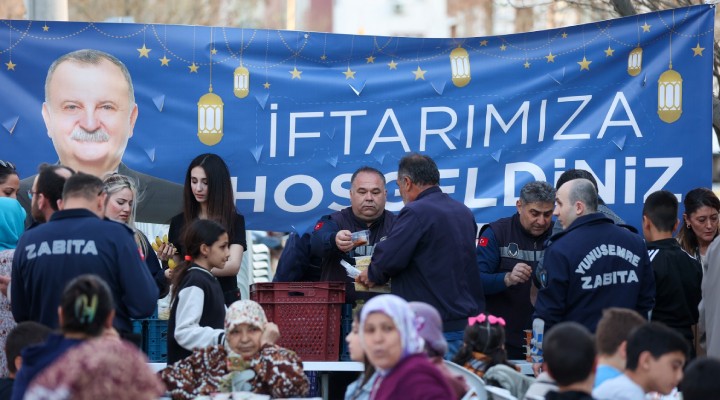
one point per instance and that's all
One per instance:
(296, 264)
(593, 265)
(76, 242)
(502, 245)
(430, 256)
(322, 244)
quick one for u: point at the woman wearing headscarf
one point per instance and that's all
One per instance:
(248, 362)
(393, 346)
(430, 329)
(12, 225)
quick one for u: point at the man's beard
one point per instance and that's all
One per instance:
(81, 135)
(35, 212)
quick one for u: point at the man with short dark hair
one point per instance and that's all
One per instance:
(430, 252)
(591, 265)
(46, 192)
(570, 360)
(507, 253)
(331, 237)
(613, 331)
(75, 241)
(678, 275)
(655, 358)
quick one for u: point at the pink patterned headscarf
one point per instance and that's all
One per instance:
(403, 317)
(244, 312)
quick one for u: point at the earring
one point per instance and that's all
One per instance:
(688, 226)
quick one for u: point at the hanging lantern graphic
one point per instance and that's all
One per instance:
(210, 118)
(635, 61)
(460, 65)
(670, 96)
(241, 82)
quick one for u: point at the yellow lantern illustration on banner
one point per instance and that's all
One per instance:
(241, 82)
(210, 112)
(670, 96)
(635, 61)
(460, 65)
(210, 118)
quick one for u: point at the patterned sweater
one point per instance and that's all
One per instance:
(278, 373)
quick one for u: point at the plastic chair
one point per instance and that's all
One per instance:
(477, 385)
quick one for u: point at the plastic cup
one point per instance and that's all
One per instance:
(360, 238)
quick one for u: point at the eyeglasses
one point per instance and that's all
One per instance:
(491, 319)
(7, 164)
(30, 194)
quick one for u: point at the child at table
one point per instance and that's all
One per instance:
(483, 345)
(248, 362)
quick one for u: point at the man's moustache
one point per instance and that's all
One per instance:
(81, 135)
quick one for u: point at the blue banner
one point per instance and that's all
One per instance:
(295, 113)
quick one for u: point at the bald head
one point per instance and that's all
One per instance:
(574, 199)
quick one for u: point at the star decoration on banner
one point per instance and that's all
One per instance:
(550, 57)
(483, 43)
(213, 51)
(609, 52)
(370, 60)
(419, 73)
(295, 73)
(527, 64)
(164, 61)
(46, 28)
(646, 27)
(349, 74)
(266, 85)
(584, 64)
(144, 51)
(10, 65)
(564, 35)
(194, 67)
(392, 64)
(323, 57)
(697, 50)
(503, 47)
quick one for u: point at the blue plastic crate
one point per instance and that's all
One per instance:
(155, 343)
(157, 331)
(314, 379)
(157, 352)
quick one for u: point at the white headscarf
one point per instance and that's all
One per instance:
(404, 319)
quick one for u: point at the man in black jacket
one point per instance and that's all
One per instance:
(678, 276)
(332, 236)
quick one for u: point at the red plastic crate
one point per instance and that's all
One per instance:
(307, 314)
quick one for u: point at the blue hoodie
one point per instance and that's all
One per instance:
(36, 358)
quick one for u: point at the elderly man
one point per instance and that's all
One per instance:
(508, 252)
(75, 241)
(591, 265)
(90, 114)
(430, 252)
(331, 238)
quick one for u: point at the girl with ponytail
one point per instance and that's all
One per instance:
(197, 305)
